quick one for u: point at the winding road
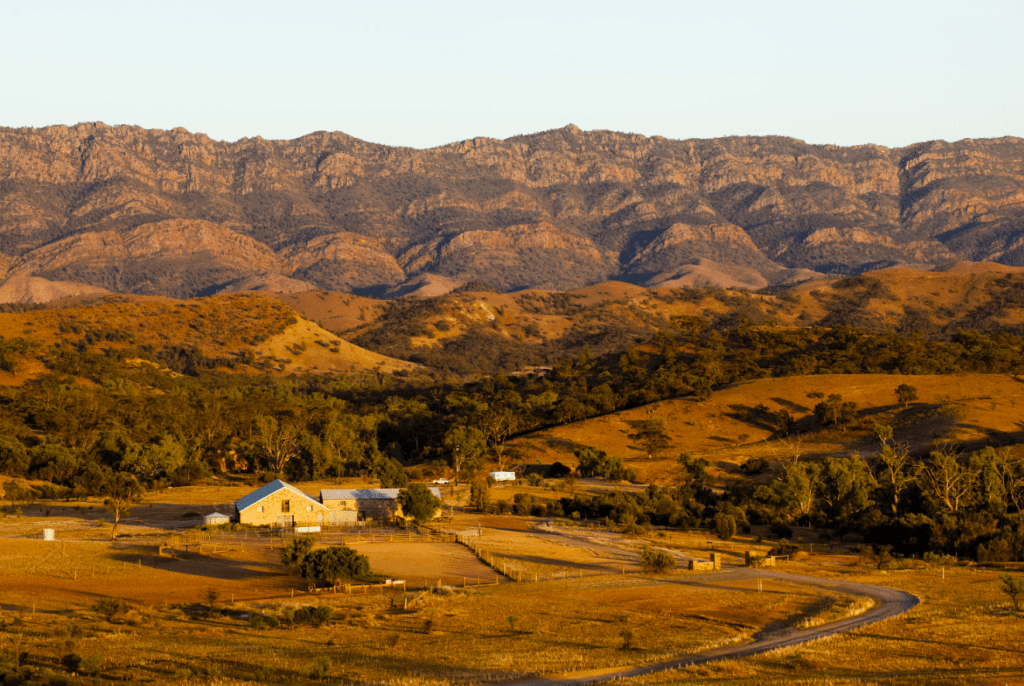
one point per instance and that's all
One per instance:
(888, 603)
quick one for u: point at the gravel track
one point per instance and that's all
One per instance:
(888, 603)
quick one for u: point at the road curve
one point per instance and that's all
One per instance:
(888, 603)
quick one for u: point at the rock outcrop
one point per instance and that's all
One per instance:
(176, 213)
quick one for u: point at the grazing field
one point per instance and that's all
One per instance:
(964, 632)
(971, 410)
(594, 618)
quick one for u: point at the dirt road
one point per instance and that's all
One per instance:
(888, 603)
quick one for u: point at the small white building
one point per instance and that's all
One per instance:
(216, 518)
(503, 476)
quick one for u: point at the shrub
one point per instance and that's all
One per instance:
(725, 525)
(72, 662)
(314, 615)
(1012, 586)
(533, 478)
(781, 530)
(320, 667)
(754, 465)
(109, 608)
(784, 548)
(656, 561)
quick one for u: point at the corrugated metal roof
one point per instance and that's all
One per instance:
(263, 491)
(366, 493)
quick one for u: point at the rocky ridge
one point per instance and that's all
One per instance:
(175, 213)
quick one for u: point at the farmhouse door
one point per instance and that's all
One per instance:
(320, 518)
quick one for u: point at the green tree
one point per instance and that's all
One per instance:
(419, 503)
(274, 441)
(296, 549)
(946, 479)
(465, 446)
(389, 471)
(123, 492)
(1012, 586)
(479, 495)
(725, 525)
(833, 410)
(906, 394)
(14, 459)
(894, 474)
(333, 563)
(650, 435)
(845, 486)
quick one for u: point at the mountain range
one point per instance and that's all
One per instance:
(91, 207)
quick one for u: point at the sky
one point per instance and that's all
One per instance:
(422, 74)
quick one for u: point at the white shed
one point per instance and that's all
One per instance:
(216, 518)
(503, 476)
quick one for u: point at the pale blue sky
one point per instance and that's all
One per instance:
(427, 73)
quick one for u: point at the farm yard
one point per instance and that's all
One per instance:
(228, 611)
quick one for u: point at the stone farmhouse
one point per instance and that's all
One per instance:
(281, 504)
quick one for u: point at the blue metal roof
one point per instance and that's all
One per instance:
(366, 493)
(268, 489)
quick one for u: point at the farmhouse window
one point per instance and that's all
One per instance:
(309, 508)
(259, 509)
(286, 506)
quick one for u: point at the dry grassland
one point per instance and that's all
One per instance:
(969, 410)
(473, 635)
(964, 632)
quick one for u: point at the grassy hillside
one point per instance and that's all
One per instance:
(968, 410)
(243, 332)
(478, 331)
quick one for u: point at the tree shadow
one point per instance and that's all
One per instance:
(789, 404)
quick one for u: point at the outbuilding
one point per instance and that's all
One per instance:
(216, 518)
(365, 503)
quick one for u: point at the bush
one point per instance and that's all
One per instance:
(533, 478)
(109, 608)
(754, 465)
(314, 615)
(656, 561)
(320, 667)
(524, 503)
(781, 530)
(72, 662)
(784, 548)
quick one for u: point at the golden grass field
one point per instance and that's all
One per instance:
(969, 410)
(964, 631)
